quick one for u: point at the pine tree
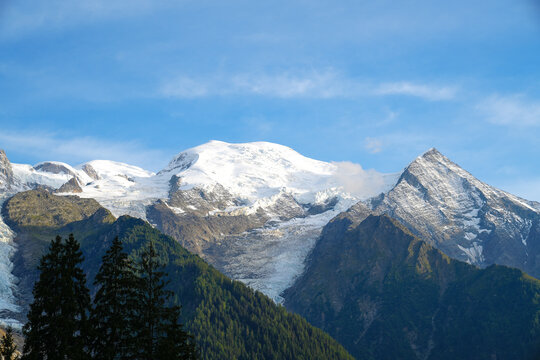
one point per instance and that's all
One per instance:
(7, 346)
(160, 335)
(57, 326)
(114, 309)
(177, 343)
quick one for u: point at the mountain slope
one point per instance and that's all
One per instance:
(228, 319)
(462, 216)
(253, 210)
(385, 294)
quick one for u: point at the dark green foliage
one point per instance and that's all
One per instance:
(159, 335)
(177, 344)
(385, 294)
(7, 346)
(500, 309)
(114, 314)
(57, 326)
(228, 320)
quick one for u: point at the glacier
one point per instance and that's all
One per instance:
(8, 282)
(256, 178)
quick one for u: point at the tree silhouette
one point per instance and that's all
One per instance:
(7, 346)
(57, 326)
(160, 335)
(115, 306)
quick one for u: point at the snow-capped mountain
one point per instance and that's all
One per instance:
(462, 216)
(254, 210)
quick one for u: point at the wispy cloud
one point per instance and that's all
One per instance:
(75, 150)
(316, 84)
(515, 110)
(25, 17)
(373, 145)
(428, 92)
(321, 84)
(412, 143)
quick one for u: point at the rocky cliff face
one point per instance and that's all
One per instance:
(386, 294)
(462, 216)
(72, 186)
(6, 171)
(55, 168)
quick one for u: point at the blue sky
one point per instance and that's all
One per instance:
(373, 82)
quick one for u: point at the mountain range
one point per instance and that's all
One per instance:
(261, 213)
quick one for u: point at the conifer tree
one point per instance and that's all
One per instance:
(160, 335)
(57, 326)
(114, 310)
(177, 343)
(7, 346)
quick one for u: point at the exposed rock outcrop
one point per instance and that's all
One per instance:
(6, 171)
(72, 186)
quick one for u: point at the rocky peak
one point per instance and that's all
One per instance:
(6, 171)
(461, 215)
(54, 168)
(431, 162)
(71, 186)
(90, 171)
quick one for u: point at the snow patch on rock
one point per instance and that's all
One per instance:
(8, 282)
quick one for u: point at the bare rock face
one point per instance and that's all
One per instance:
(90, 171)
(54, 168)
(72, 186)
(6, 172)
(462, 216)
(199, 200)
(195, 231)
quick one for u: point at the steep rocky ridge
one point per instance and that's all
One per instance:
(462, 216)
(385, 294)
(6, 171)
(54, 167)
(72, 186)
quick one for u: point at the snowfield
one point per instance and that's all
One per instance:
(259, 176)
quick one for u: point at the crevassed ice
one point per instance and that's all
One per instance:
(271, 258)
(7, 280)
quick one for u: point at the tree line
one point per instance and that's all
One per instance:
(129, 317)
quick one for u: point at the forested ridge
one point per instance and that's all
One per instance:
(227, 319)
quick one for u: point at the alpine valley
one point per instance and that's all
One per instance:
(426, 263)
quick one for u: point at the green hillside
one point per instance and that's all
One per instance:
(385, 294)
(228, 320)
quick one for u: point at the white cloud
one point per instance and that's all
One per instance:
(75, 150)
(424, 91)
(321, 84)
(515, 110)
(359, 182)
